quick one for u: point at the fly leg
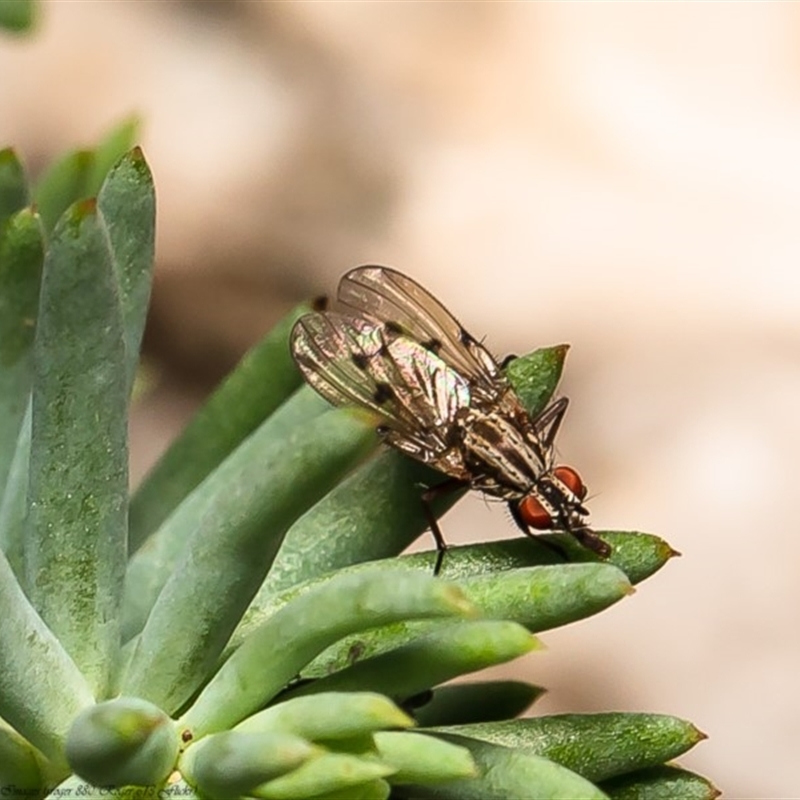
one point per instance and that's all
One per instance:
(428, 497)
(591, 541)
(586, 536)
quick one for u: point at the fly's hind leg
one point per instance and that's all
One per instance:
(429, 496)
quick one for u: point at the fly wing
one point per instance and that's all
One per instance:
(358, 361)
(394, 299)
(326, 348)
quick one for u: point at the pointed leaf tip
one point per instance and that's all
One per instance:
(27, 213)
(84, 208)
(701, 735)
(134, 159)
(534, 376)
(76, 215)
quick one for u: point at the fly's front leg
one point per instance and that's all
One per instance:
(591, 541)
(429, 496)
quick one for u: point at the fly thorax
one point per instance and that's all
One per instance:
(495, 447)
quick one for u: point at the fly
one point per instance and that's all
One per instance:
(442, 399)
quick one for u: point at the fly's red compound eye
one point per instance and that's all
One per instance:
(571, 480)
(534, 514)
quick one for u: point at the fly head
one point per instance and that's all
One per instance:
(555, 502)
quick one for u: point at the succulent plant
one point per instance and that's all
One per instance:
(242, 625)
(17, 16)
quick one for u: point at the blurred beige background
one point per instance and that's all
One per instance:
(625, 177)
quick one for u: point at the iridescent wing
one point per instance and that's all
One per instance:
(360, 361)
(397, 301)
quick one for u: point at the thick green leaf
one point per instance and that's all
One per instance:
(20, 763)
(441, 654)
(480, 701)
(660, 783)
(253, 479)
(371, 790)
(330, 715)
(330, 772)
(506, 773)
(637, 554)
(247, 506)
(115, 143)
(14, 506)
(264, 378)
(539, 598)
(125, 741)
(41, 689)
(13, 185)
(80, 174)
(21, 258)
(17, 15)
(275, 652)
(63, 183)
(598, 746)
(423, 759)
(76, 545)
(128, 205)
(375, 513)
(535, 376)
(233, 763)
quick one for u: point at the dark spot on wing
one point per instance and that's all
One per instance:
(383, 393)
(360, 360)
(320, 303)
(433, 345)
(394, 327)
(466, 339)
